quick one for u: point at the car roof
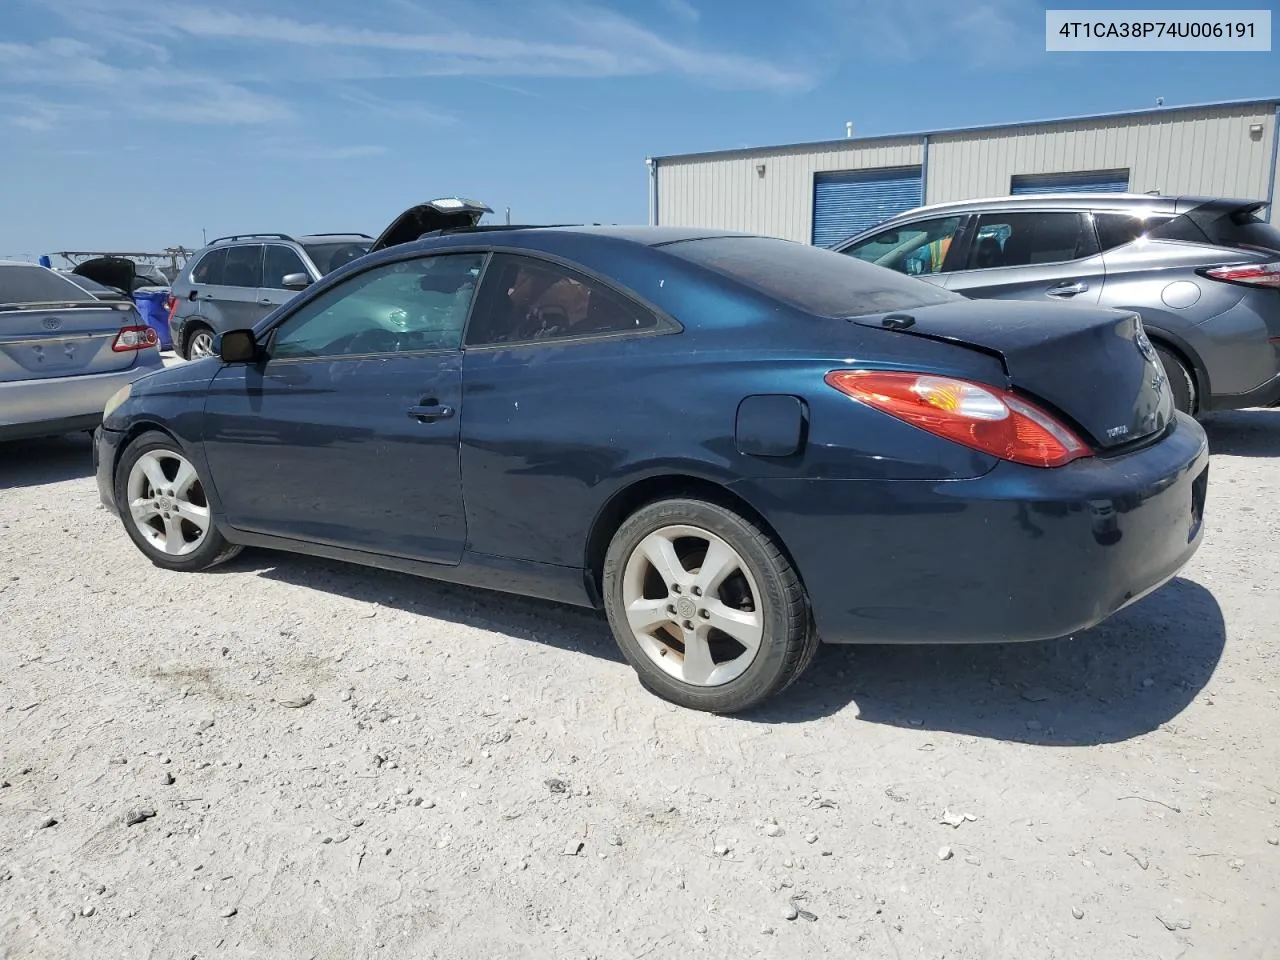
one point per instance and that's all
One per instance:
(1074, 201)
(332, 237)
(560, 235)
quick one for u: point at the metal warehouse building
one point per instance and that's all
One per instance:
(824, 192)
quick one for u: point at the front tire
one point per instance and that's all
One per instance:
(164, 507)
(705, 606)
(1181, 383)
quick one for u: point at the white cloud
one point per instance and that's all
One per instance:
(988, 33)
(682, 10)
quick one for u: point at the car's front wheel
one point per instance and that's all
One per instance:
(705, 606)
(165, 509)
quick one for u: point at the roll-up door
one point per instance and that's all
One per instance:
(846, 202)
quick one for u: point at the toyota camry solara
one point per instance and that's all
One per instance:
(738, 447)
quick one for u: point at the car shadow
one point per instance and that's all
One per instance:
(1244, 433)
(575, 629)
(1119, 680)
(31, 463)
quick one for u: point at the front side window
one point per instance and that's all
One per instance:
(534, 300)
(210, 268)
(400, 307)
(278, 263)
(244, 266)
(914, 249)
(1028, 239)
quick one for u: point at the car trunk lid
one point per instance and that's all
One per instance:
(1096, 368)
(447, 213)
(39, 340)
(117, 272)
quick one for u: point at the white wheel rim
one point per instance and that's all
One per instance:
(201, 345)
(698, 619)
(167, 505)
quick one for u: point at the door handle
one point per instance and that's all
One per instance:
(1068, 288)
(429, 413)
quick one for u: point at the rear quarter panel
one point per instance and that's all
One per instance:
(1215, 321)
(551, 433)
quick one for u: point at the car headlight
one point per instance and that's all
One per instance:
(117, 398)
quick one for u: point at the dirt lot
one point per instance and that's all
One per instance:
(481, 777)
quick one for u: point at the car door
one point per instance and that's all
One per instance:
(278, 262)
(926, 249)
(1032, 255)
(230, 294)
(346, 433)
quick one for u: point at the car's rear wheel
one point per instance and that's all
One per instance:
(1181, 383)
(705, 606)
(199, 343)
(164, 507)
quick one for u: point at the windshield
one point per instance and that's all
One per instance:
(816, 280)
(32, 284)
(328, 257)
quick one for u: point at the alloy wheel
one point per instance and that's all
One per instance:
(167, 503)
(693, 605)
(201, 345)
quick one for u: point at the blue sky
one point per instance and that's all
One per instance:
(131, 124)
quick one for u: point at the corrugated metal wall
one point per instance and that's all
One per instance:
(727, 192)
(1205, 150)
(1177, 151)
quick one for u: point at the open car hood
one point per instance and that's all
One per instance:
(443, 214)
(114, 272)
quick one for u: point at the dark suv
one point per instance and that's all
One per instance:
(236, 281)
(1203, 273)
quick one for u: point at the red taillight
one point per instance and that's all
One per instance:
(1250, 274)
(134, 338)
(987, 419)
(171, 304)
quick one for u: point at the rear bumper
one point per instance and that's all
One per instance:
(1018, 554)
(34, 408)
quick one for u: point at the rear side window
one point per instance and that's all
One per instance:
(209, 269)
(1030, 239)
(1117, 229)
(813, 279)
(23, 284)
(244, 266)
(526, 300)
(278, 264)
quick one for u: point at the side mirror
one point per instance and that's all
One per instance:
(237, 346)
(295, 281)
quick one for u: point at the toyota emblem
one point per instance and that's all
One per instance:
(1144, 345)
(51, 323)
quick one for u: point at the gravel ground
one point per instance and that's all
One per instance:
(479, 776)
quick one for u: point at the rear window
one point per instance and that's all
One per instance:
(23, 284)
(814, 279)
(328, 257)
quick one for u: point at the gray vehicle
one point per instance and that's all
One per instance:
(1204, 274)
(64, 352)
(236, 281)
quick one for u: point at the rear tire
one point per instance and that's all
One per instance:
(705, 606)
(164, 508)
(1181, 383)
(199, 342)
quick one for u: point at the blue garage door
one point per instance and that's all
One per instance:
(1093, 181)
(850, 201)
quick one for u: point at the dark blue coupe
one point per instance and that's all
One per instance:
(737, 446)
